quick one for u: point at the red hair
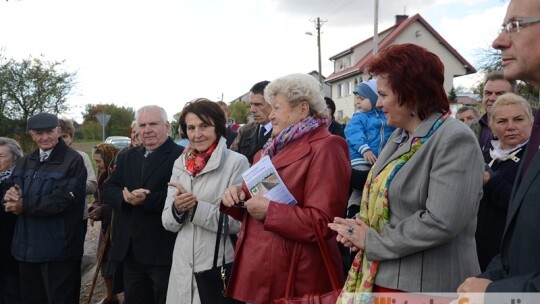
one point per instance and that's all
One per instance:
(415, 75)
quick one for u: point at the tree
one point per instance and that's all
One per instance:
(119, 124)
(452, 96)
(239, 111)
(29, 87)
(490, 60)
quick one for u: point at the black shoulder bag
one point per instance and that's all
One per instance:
(212, 283)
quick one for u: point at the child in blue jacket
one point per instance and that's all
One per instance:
(366, 134)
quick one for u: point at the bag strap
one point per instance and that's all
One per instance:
(218, 237)
(326, 259)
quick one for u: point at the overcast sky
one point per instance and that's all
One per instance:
(168, 52)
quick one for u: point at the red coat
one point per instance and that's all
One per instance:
(316, 169)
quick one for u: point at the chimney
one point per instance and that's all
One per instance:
(401, 18)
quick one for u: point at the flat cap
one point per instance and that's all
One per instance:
(42, 122)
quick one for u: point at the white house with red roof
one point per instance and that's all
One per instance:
(350, 64)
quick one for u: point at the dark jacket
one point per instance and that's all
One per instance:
(50, 228)
(494, 206)
(140, 226)
(247, 143)
(8, 265)
(230, 136)
(483, 133)
(336, 128)
(517, 267)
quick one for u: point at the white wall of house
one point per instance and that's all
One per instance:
(416, 33)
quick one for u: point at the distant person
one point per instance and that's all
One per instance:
(494, 86)
(200, 176)
(134, 135)
(67, 132)
(366, 133)
(10, 292)
(334, 127)
(511, 120)
(314, 165)
(415, 229)
(517, 267)
(137, 190)
(104, 155)
(467, 114)
(252, 136)
(49, 199)
(230, 135)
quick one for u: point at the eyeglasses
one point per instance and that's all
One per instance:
(515, 26)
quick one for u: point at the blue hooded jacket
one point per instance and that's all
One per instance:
(367, 131)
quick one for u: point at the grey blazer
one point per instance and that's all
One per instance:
(429, 245)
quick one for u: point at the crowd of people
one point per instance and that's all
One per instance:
(405, 197)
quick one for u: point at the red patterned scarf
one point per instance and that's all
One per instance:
(196, 161)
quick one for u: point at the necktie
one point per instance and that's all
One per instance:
(148, 152)
(43, 156)
(534, 143)
(262, 130)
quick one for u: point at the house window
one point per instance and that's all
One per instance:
(339, 115)
(343, 89)
(351, 87)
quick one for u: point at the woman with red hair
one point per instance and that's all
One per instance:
(415, 230)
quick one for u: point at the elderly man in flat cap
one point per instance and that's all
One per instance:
(48, 195)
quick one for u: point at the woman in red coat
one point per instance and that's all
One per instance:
(314, 166)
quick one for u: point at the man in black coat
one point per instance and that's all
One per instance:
(48, 196)
(137, 190)
(252, 137)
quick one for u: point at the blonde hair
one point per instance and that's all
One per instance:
(508, 99)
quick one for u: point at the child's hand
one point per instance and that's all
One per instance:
(370, 157)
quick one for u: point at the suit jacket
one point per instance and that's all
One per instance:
(517, 267)
(316, 170)
(246, 142)
(140, 226)
(429, 245)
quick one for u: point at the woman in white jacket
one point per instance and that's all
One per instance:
(199, 178)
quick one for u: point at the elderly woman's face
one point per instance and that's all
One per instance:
(6, 158)
(201, 135)
(511, 125)
(283, 116)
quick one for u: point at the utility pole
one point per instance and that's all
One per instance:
(318, 23)
(376, 29)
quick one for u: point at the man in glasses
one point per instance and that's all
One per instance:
(517, 267)
(48, 195)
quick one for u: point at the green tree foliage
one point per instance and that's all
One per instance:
(489, 60)
(29, 87)
(239, 111)
(119, 124)
(452, 96)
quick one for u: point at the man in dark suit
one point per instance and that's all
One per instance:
(517, 267)
(252, 137)
(137, 190)
(230, 134)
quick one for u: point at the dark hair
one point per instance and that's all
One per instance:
(259, 87)
(415, 75)
(207, 111)
(67, 126)
(331, 105)
(499, 75)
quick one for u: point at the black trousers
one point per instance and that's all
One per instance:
(144, 284)
(51, 282)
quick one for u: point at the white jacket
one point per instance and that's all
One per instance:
(195, 242)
